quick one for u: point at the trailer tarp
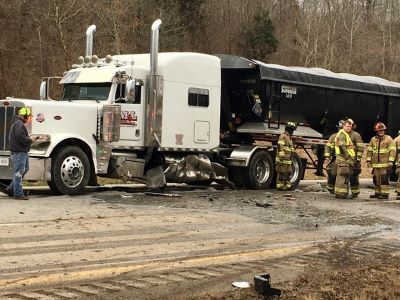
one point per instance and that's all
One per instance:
(314, 76)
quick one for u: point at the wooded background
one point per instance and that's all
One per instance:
(45, 37)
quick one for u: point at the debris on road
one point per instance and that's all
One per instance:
(241, 284)
(262, 204)
(126, 197)
(314, 188)
(262, 285)
(162, 194)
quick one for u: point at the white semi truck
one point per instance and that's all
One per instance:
(210, 116)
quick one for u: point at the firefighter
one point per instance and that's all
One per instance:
(345, 160)
(397, 144)
(359, 149)
(329, 154)
(283, 160)
(380, 156)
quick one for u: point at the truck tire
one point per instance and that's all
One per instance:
(235, 175)
(259, 173)
(53, 188)
(297, 170)
(70, 171)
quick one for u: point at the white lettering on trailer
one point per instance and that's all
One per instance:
(288, 90)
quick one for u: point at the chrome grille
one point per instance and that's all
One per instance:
(6, 115)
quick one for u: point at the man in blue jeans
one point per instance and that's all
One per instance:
(20, 145)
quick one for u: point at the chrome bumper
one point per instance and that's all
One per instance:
(39, 168)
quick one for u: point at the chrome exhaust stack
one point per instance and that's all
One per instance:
(89, 40)
(153, 107)
(155, 29)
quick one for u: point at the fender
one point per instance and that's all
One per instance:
(240, 156)
(57, 139)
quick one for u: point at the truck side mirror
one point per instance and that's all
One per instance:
(43, 90)
(130, 90)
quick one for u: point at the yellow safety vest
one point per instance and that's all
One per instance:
(349, 144)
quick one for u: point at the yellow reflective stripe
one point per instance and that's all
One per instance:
(286, 148)
(382, 165)
(360, 144)
(381, 151)
(281, 142)
(391, 159)
(349, 161)
(392, 148)
(283, 161)
(281, 153)
(370, 148)
(340, 190)
(327, 154)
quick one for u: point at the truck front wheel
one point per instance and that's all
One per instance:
(70, 171)
(259, 173)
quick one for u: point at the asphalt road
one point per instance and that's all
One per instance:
(116, 242)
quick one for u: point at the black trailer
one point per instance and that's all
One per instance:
(258, 99)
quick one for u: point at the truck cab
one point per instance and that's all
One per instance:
(111, 110)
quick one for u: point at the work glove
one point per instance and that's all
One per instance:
(369, 165)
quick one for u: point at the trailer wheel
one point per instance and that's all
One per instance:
(235, 175)
(259, 173)
(70, 171)
(297, 170)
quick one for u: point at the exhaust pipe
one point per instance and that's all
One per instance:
(89, 40)
(154, 47)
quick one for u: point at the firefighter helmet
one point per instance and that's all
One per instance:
(380, 126)
(352, 123)
(340, 124)
(25, 111)
(291, 125)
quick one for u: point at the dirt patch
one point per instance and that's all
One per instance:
(349, 276)
(344, 275)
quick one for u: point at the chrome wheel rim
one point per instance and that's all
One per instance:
(295, 170)
(262, 171)
(72, 171)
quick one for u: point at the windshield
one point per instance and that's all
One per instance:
(86, 91)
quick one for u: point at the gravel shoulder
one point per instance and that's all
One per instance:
(118, 243)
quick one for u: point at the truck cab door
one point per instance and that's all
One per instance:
(132, 118)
